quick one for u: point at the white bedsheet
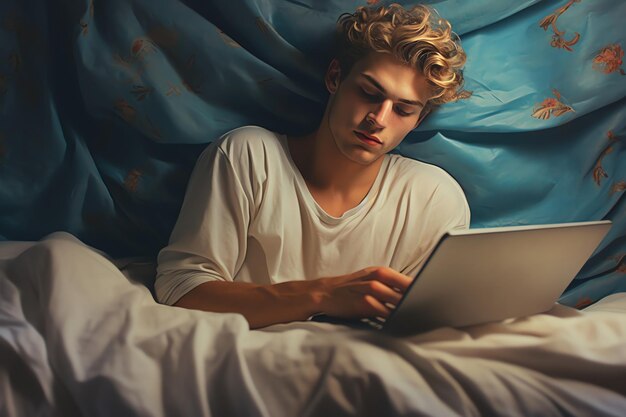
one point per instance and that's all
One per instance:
(78, 338)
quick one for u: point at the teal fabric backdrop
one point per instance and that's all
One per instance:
(105, 106)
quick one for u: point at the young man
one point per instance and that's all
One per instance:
(282, 228)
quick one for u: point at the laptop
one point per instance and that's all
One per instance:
(477, 276)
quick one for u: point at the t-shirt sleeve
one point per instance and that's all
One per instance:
(446, 210)
(208, 242)
(457, 208)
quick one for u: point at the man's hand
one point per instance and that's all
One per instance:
(370, 292)
(365, 293)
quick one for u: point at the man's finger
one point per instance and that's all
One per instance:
(382, 292)
(392, 278)
(378, 309)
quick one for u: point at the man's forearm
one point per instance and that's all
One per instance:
(365, 293)
(261, 305)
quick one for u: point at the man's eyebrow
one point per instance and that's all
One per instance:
(382, 90)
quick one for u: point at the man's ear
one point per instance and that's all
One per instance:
(333, 76)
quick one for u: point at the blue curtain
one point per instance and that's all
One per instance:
(105, 106)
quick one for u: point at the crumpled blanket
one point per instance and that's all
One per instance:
(78, 337)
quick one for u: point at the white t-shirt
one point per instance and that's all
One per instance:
(248, 216)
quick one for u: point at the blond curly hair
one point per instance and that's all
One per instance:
(418, 37)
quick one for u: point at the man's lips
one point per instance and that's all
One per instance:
(366, 137)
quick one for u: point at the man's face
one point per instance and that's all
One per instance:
(375, 106)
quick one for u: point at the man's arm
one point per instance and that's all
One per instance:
(366, 293)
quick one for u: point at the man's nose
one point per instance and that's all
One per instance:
(380, 114)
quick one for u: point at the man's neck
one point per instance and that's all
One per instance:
(326, 169)
(337, 183)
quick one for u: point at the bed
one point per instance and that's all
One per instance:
(105, 108)
(80, 337)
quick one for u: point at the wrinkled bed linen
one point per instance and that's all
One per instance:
(77, 337)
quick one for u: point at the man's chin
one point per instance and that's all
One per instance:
(363, 157)
(357, 153)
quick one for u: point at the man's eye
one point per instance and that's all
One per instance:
(370, 96)
(403, 113)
